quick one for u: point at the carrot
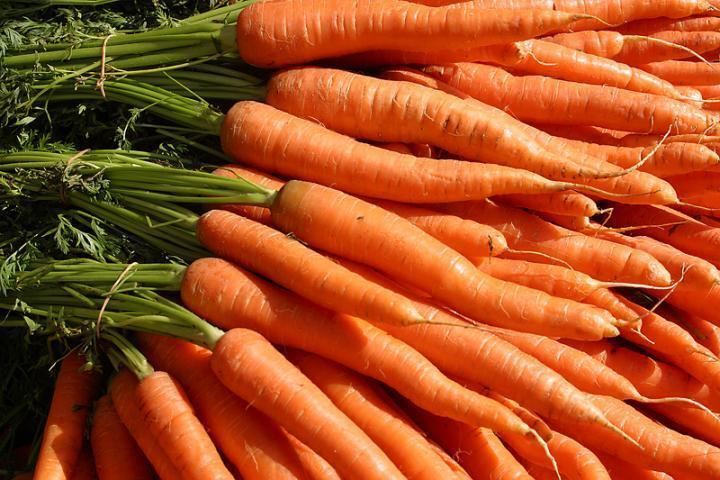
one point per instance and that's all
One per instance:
(317, 467)
(693, 97)
(253, 369)
(256, 446)
(530, 418)
(371, 409)
(258, 214)
(62, 440)
(683, 72)
(354, 343)
(705, 333)
(170, 419)
(117, 456)
(687, 234)
(620, 470)
(638, 187)
(342, 102)
(274, 34)
(293, 265)
(662, 448)
(576, 104)
(479, 451)
(653, 25)
(85, 466)
(539, 473)
(278, 142)
(589, 134)
(475, 354)
(519, 4)
(562, 203)
(598, 258)
(698, 188)
(604, 43)
(576, 223)
(640, 50)
(361, 234)
(122, 391)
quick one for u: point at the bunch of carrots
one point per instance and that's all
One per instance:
(447, 240)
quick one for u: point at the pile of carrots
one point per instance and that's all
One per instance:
(484, 243)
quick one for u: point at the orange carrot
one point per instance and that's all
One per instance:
(259, 214)
(278, 142)
(653, 25)
(354, 343)
(640, 50)
(662, 449)
(373, 411)
(705, 333)
(604, 43)
(698, 188)
(562, 203)
(250, 366)
(122, 391)
(479, 451)
(62, 440)
(317, 467)
(342, 102)
(576, 223)
(588, 134)
(272, 34)
(598, 258)
(362, 232)
(85, 466)
(257, 447)
(598, 105)
(170, 419)
(117, 456)
(298, 268)
(620, 470)
(683, 72)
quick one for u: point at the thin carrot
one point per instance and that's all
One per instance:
(278, 142)
(479, 451)
(375, 413)
(589, 134)
(561, 203)
(681, 72)
(170, 419)
(293, 265)
(62, 440)
(598, 258)
(316, 466)
(253, 369)
(256, 446)
(290, 321)
(689, 24)
(342, 101)
(272, 34)
(122, 391)
(117, 456)
(576, 104)
(620, 470)
(705, 333)
(362, 232)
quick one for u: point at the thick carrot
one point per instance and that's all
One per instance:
(170, 419)
(361, 234)
(479, 451)
(290, 321)
(316, 466)
(122, 391)
(274, 34)
(298, 268)
(577, 223)
(620, 470)
(278, 142)
(588, 134)
(259, 214)
(62, 440)
(598, 258)
(604, 43)
(705, 333)
(117, 456)
(698, 188)
(561, 203)
(253, 369)
(672, 227)
(256, 446)
(681, 72)
(638, 186)
(470, 238)
(571, 103)
(662, 449)
(639, 50)
(385, 110)
(519, 4)
(373, 411)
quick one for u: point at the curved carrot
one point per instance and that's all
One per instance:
(122, 391)
(601, 259)
(271, 34)
(62, 440)
(571, 103)
(479, 451)
(299, 268)
(209, 284)
(278, 142)
(257, 447)
(385, 110)
(561, 203)
(361, 234)
(250, 366)
(170, 419)
(376, 415)
(117, 456)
